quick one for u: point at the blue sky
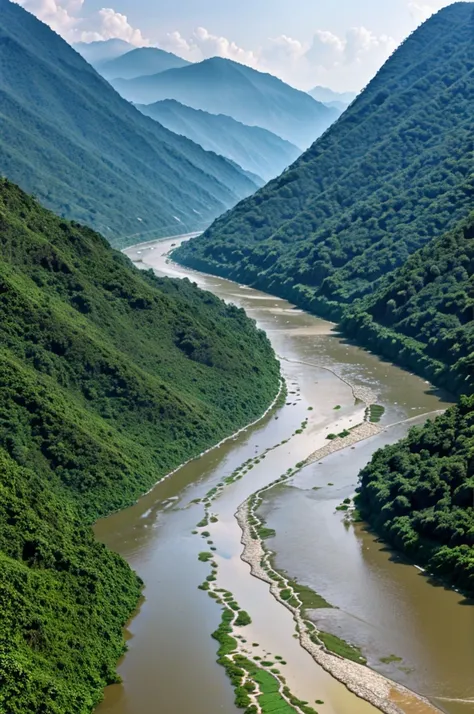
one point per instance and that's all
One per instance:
(337, 43)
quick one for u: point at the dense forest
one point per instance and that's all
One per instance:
(109, 378)
(89, 155)
(392, 173)
(419, 494)
(422, 316)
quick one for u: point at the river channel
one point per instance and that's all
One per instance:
(382, 604)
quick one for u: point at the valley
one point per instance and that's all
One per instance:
(345, 565)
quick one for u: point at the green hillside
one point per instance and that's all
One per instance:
(69, 138)
(423, 314)
(221, 86)
(254, 149)
(109, 378)
(393, 172)
(418, 494)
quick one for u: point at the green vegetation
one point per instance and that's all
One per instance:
(374, 413)
(91, 156)
(340, 647)
(204, 557)
(390, 659)
(309, 598)
(418, 495)
(423, 316)
(405, 143)
(110, 378)
(331, 437)
(242, 619)
(343, 434)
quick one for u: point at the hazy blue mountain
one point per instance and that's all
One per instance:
(68, 137)
(254, 149)
(220, 86)
(102, 50)
(392, 174)
(327, 95)
(139, 62)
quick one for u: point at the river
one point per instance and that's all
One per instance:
(382, 604)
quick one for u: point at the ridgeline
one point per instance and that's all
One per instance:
(110, 378)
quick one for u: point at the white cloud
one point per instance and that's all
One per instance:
(66, 18)
(421, 11)
(58, 14)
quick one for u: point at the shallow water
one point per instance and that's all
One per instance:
(170, 666)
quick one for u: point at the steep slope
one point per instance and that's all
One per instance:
(418, 494)
(255, 149)
(67, 136)
(392, 173)
(109, 379)
(139, 62)
(220, 86)
(422, 316)
(102, 50)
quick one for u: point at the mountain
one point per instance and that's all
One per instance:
(329, 96)
(220, 86)
(102, 50)
(394, 172)
(139, 62)
(109, 379)
(422, 316)
(418, 495)
(254, 149)
(68, 137)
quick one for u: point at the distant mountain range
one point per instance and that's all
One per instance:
(139, 62)
(68, 137)
(330, 97)
(392, 174)
(103, 50)
(220, 86)
(254, 149)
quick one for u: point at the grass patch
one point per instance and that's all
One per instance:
(390, 659)
(374, 413)
(204, 556)
(341, 647)
(309, 598)
(242, 619)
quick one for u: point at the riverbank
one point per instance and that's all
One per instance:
(156, 532)
(384, 694)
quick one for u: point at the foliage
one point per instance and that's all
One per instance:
(419, 495)
(109, 379)
(423, 315)
(392, 173)
(88, 154)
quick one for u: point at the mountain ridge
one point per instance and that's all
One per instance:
(70, 138)
(139, 62)
(392, 173)
(253, 148)
(222, 86)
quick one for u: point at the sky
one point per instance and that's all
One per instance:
(335, 43)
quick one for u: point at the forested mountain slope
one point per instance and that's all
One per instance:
(109, 378)
(422, 316)
(418, 494)
(392, 173)
(138, 63)
(221, 86)
(254, 149)
(68, 137)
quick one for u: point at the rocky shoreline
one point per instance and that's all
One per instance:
(367, 684)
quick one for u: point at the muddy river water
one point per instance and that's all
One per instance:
(413, 632)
